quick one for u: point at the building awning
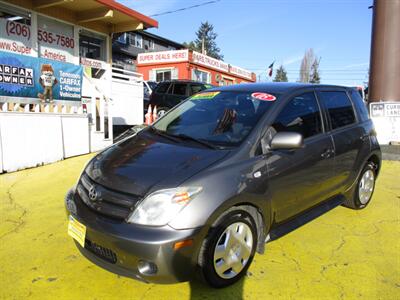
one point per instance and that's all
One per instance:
(107, 15)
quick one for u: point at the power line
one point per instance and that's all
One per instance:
(185, 8)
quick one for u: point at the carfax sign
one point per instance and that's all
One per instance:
(31, 77)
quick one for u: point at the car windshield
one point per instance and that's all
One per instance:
(222, 119)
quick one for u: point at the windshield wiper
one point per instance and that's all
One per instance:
(199, 141)
(179, 137)
(165, 134)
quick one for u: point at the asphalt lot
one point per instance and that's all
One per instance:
(345, 254)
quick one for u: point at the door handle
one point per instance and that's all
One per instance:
(327, 153)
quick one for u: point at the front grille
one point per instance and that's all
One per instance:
(103, 253)
(105, 201)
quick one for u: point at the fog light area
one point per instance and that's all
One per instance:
(147, 268)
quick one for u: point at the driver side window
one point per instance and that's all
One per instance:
(301, 114)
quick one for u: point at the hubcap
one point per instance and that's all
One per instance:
(233, 250)
(160, 113)
(366, 187)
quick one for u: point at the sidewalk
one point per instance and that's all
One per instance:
(345, 254)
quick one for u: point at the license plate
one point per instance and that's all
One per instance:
(77, 230)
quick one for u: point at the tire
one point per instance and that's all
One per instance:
(162, 111)
(228, 250)
(364, 189)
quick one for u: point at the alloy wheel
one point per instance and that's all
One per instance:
(233, 250)
(366, 186)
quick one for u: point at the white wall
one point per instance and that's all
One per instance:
(30, 139)
(75, 133)
(127, 102)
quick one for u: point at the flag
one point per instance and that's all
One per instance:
(270, 69)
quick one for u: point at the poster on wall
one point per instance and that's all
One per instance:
(39, 78)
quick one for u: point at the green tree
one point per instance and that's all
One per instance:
(281, 75)
(205, 40)
(315, 77)
(190, 45)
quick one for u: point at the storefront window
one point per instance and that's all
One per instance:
(92, 46)
(14, 15)
(201, 76)
(56, 40)
(162, 75)
(16, 31)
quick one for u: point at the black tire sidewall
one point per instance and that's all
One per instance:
(165, 109)
(208, 270)
(357, 201)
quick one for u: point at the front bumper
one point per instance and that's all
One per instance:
(120, 247)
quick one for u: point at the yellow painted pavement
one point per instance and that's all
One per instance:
(344, 254)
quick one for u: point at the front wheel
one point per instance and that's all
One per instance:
(229, 249)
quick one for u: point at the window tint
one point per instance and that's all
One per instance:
(339, 108)
(179, 89)
(361, 107)
(300, 115)
(194, 89)
(162, 87)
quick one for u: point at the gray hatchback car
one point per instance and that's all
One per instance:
(217, 177)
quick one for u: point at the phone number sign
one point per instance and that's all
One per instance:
(17, 38)
(56, 46)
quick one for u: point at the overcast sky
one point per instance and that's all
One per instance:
(253, 33)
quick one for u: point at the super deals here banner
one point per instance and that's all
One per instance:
(32, 77)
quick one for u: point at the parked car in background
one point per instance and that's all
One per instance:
(167, 94)
(148, 88)
(203, 189)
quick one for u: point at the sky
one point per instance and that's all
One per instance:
(254, 33)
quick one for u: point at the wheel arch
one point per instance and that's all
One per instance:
(376, 161)
(256, 213)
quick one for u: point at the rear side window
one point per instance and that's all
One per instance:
(300, 115)
(339, 108)
(179, 89)
(361, 107)
(162, 87)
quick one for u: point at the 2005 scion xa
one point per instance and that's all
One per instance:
(224, 172)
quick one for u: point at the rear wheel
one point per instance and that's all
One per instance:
(229, 249)
(364, 189)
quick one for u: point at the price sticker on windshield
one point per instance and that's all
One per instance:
(263, 96)
(205, 96)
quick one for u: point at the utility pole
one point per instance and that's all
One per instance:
(384, 80)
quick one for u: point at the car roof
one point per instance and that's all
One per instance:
(271, 87)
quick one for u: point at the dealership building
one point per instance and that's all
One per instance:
(58, 95)
(190, 65)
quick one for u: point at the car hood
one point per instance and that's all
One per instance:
(144, 161)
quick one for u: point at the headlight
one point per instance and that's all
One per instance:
(162, 206)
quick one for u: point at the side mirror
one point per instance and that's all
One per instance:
(287, 140)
